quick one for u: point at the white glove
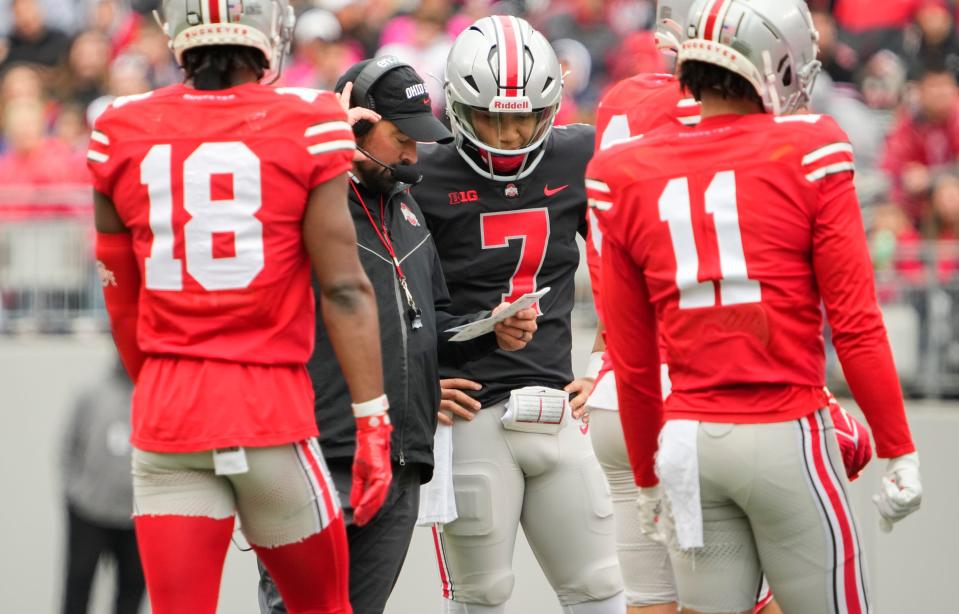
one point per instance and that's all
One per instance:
(900, 491)
(653, 516)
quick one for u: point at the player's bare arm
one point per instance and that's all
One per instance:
(582, 387)
(105, 216)
(349, 312)
(592, 371)
(348, 303)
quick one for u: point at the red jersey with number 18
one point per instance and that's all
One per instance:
(724, 239)
(213, 187)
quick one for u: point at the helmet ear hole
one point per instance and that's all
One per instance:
(788, 76)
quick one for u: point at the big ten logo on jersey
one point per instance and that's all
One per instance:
(461, 198)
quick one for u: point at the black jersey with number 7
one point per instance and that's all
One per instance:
(498, 240)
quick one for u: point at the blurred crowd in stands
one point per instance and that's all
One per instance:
(889, 77)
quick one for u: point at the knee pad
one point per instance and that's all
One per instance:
(611, 605)
(491, 590)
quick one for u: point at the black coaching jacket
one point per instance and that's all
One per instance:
(410, 357)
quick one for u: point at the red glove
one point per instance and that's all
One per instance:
(372, 471)
(853, 439)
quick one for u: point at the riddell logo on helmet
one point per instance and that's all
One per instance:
(501, 104)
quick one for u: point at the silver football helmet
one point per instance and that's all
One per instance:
(503, 89)
(770, 43)
(266, 25)
(671, 23)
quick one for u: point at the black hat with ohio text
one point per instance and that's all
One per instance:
(401, 97)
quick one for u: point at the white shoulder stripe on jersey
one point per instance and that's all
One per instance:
(99, 137)
(687, 102)
(832, 169)
(96, 156)
(692, 120)
(331, 146)
(806, 117)
(327, 127)
(307, 94)
(599, 205)
(828, 150)
(599, 186)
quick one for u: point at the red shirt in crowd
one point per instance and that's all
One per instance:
(913, 140)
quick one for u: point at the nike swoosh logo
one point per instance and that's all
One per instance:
(584, 429)
(549, 192)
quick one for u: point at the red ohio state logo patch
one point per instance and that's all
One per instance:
(409, 215)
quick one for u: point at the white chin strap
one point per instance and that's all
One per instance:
(771, 94)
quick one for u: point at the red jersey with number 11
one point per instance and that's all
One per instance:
(724, 239)
(213, 187)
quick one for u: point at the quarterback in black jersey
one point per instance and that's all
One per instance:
(504, 203)
(501, 239)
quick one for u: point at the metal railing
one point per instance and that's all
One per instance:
(49, 284)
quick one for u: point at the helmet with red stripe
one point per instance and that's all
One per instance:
(266, 25)
(770, 43)
(503, 89)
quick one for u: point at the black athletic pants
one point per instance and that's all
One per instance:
(377, 550)
(86, 542)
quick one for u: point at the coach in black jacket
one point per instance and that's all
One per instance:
(400, 259)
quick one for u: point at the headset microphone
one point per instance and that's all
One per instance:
(400, 172)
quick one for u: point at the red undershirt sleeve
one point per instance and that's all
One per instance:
(120, 277)
(632, 346)
(844, 274)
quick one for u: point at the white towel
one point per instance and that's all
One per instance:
(677, 465)
(437, 500)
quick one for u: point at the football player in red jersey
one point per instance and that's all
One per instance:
(211, 199)
(504, 205)
(629, 109)
(727, 260)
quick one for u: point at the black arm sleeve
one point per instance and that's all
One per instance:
(455, 353)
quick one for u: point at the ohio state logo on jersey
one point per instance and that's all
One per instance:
(410, 217)
(511, 191)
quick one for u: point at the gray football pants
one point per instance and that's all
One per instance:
(773, 497)
(553, 485)
(647, 573)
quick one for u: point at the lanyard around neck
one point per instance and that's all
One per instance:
(413, 312)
